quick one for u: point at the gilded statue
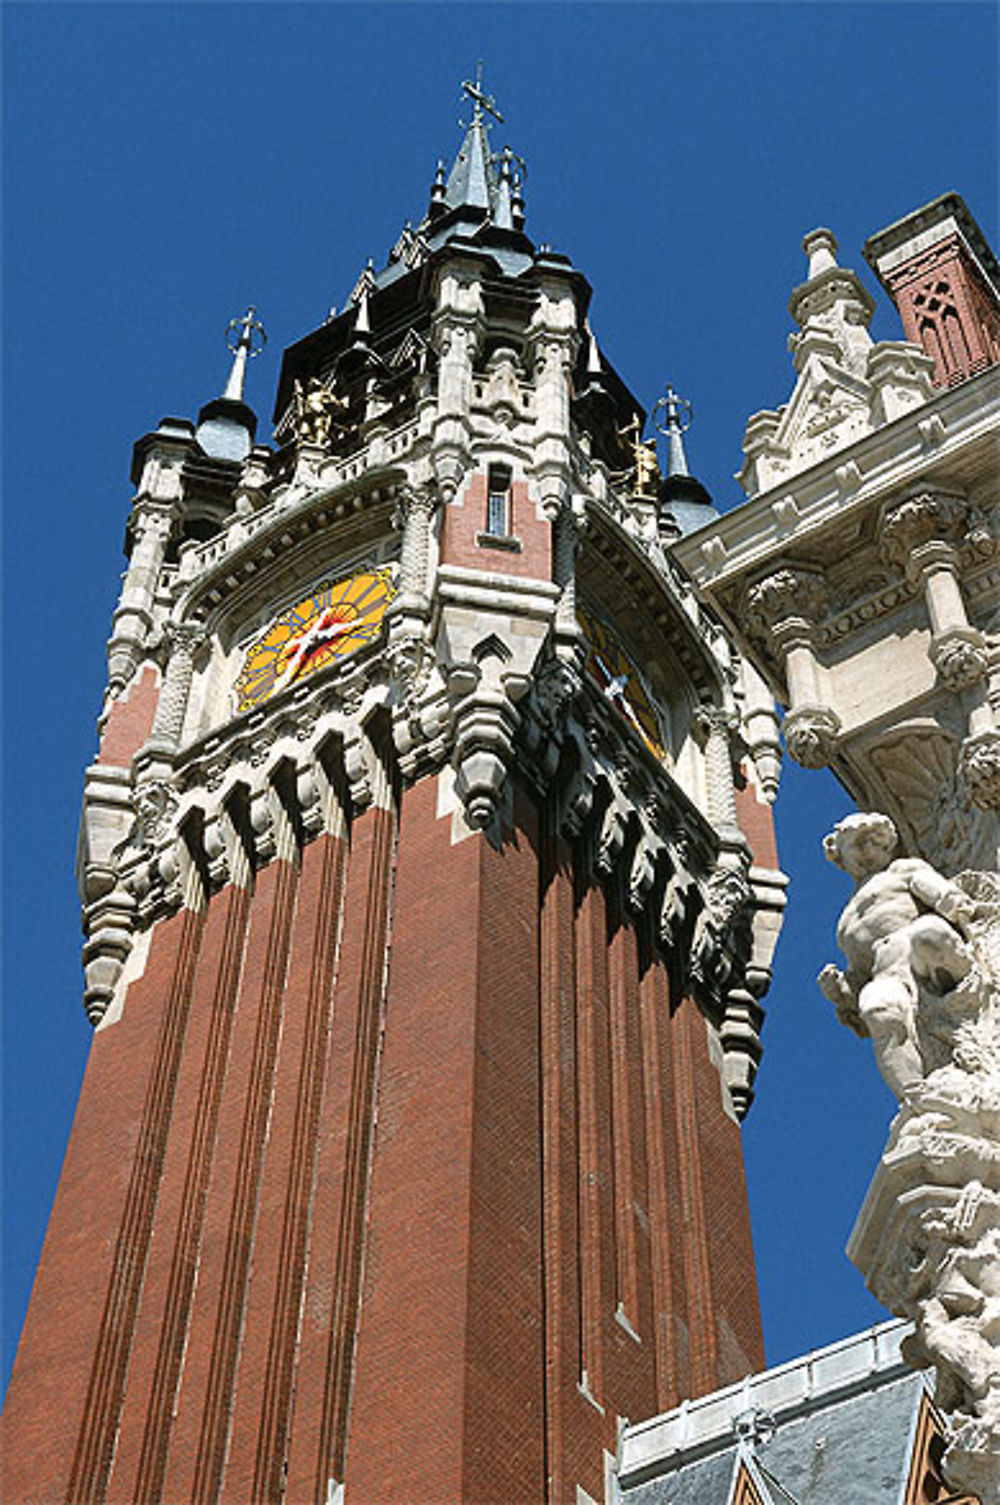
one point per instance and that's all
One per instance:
(315, 408)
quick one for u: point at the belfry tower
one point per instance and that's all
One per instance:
(429, 896)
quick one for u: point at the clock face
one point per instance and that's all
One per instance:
(616, 673)
(338, 618)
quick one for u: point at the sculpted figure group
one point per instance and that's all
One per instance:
(923, 981)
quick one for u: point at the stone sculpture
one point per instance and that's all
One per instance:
(923, 980)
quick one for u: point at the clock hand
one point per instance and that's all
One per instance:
(322, 630)
(615, 692)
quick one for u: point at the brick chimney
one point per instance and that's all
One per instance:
(943, 277)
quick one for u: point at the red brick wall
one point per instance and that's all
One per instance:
(464, 524)
(756, 820)
(130, 719)
(432, 1226)
(65, 1393)
(947, 308)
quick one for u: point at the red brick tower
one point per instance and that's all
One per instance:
(940, 272)
(423, 943)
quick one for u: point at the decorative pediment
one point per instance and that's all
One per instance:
(846, 385)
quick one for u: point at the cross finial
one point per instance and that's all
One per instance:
(249, 341)
(480, 100)
(672, 416)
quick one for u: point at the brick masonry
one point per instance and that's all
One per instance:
(130, 719)
(404, 1169)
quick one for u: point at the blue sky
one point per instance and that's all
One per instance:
(166, 165)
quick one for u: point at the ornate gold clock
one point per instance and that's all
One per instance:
(334, 621)
(618, 676)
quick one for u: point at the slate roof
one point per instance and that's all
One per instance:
(844, 1421)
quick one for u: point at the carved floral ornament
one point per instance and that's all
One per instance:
(918, 520)
(787, 593)
(923, 982)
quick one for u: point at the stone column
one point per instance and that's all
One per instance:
(716, 725)
(787, 605)
(552, 344)
(150, 529)
(456, 331)
(922, 535)
(416, 506)
(185, 638)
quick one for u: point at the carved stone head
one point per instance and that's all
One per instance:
(861, 844)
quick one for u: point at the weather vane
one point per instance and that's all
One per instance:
(480, 101)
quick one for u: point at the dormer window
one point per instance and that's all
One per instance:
(498, 520)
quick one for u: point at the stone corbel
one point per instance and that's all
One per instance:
(109, 919)
(979, 766)
(787, 605)
(485, 725)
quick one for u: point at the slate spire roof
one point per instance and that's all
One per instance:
(472, 182)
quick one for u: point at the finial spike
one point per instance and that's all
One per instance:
(250, 341)
(672, 417)
(362, 320)
(593, 353)
(821, 248)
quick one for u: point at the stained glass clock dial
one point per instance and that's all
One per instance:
(338, 618)
(616, 673)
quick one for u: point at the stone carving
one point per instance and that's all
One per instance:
(959, 659)
(919, 520)
(980, 768)
(786, 593)
(811, 735)
(923, 980)
(897, 933)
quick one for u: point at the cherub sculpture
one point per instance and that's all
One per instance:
(904, 930)
(315, 408)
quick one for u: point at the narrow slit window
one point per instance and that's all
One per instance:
(498, 522)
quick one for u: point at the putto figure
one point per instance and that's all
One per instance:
(903, 930)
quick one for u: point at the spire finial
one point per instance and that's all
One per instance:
(672, 417)
(821, 248)
(480, 101)
(250, 339)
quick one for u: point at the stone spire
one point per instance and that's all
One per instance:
(832, 308)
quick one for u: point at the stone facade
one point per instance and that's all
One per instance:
(861, 577)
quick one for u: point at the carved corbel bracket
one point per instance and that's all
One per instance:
(811, 735)
(979, 767)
